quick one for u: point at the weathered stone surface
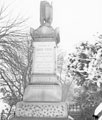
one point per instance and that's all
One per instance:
(49, 110)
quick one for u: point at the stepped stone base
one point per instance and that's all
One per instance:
(41, 110)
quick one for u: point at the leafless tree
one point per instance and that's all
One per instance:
(15, 59)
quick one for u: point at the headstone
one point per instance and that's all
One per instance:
(43, 96)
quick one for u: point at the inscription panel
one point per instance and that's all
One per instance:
(44, 57)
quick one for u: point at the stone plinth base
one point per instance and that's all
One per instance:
(34, 118)
(41, 110)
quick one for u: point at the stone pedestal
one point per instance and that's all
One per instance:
(42, 98)
(44, 85)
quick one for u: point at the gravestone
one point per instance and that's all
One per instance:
(42, 98)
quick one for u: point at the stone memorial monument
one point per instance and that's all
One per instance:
(42, 98)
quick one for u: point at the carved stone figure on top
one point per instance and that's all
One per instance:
(45, 13)
(46, 16)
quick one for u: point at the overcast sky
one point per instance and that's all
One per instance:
(78, 20)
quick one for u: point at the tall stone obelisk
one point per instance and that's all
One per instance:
(43, 96)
